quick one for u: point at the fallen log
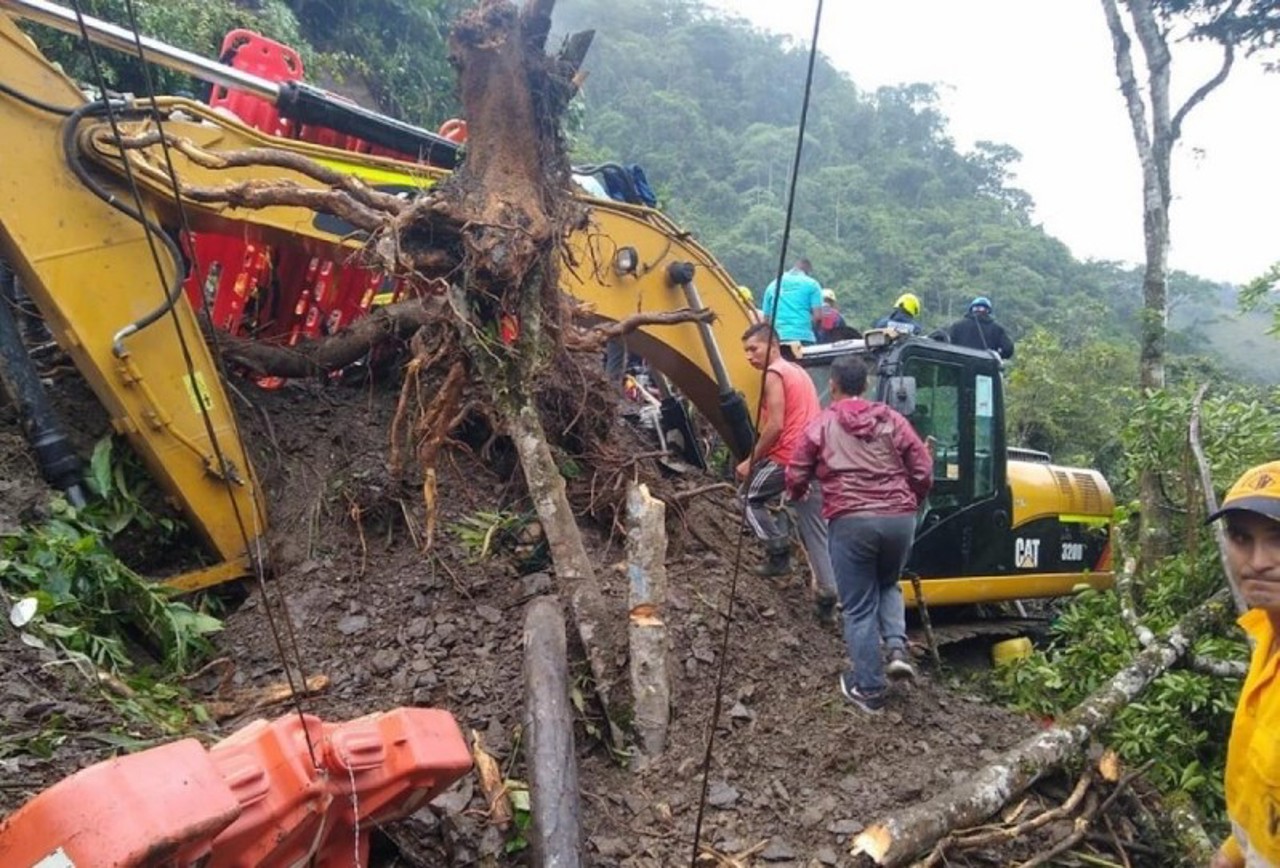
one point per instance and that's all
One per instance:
(554, 834)
(1195, 662)
(895, 839)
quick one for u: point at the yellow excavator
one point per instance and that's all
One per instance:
(106, 272)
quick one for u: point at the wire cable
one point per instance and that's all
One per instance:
(151, 232)
(771, 318)
(34, 102)
(296, 696)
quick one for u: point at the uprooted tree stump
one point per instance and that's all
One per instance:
(485, 246)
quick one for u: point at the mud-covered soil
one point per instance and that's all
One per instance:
(389, 625)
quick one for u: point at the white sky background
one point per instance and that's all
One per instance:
(1039, 75)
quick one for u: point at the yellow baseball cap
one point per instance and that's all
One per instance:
(1257, 491)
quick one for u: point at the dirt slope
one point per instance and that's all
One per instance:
(793, 764)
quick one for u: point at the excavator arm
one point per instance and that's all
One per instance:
(111, 290)
(107, 292)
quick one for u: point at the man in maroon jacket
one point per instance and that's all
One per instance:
(874, 470)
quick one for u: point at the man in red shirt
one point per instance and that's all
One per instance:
(790, 404)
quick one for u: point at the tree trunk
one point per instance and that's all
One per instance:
(556, 831)
(896, 839)
(1155, 145)
(647, 574)
(511, 198)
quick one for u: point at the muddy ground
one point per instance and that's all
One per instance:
(794, 766)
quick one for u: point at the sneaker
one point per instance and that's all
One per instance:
(899, 667)
(871, 703)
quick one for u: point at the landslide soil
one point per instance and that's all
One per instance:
(390, 626)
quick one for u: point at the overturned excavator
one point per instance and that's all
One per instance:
(116, 241)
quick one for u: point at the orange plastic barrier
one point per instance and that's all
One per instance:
(253, 799)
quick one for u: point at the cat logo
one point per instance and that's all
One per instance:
(1026, 553)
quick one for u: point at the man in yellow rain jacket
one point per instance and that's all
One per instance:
(1252, 513)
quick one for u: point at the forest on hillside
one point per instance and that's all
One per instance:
(886, 201)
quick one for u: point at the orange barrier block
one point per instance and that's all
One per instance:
(254, 799)
(160, 807)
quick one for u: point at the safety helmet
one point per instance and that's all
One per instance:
(828, 295)
(1258, 490)
(909, 303)
(981, 301)
(747, 296)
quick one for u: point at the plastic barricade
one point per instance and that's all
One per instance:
(254, 799)
(256, 54)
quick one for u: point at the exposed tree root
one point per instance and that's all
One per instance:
(315, 358)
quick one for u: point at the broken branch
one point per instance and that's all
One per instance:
(317, 357)
(1210, 499)
(895, 839)
(594, 338)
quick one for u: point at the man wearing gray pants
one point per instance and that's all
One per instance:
(790, 404)
(874, 470)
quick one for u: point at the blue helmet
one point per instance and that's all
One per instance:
(981, 301)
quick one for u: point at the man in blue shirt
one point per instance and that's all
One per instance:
(799, 304)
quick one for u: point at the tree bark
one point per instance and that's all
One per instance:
(555, 834)
(1155, 145)
(894, 840)
(1211, 499)
(647, 575)
(313, 358)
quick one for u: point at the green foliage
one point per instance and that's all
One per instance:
(195, 25)
(1069, 396)
(88, 600)
(1239, 426)
(486, 532)
(396, 47)
(1260, 294)
(1182, 720)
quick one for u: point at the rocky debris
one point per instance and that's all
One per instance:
(721, 795)
(350, 625)
(778, 851)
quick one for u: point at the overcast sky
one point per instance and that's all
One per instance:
(1039, 75)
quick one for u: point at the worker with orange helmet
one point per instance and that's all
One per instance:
(904, 317)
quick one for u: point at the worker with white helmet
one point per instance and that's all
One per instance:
(829, 318)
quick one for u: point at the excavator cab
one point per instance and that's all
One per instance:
(975, 539)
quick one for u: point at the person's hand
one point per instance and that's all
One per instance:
(742, 469)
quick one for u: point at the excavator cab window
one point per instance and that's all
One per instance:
(984, 436)
(937, 419)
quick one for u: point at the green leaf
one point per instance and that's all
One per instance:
(100, 470)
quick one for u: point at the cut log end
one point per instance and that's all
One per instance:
(873, 842)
